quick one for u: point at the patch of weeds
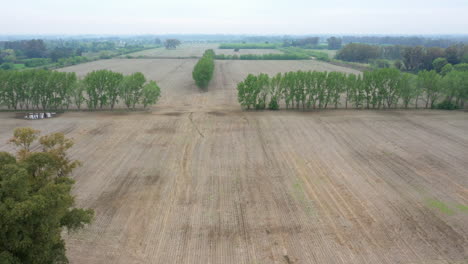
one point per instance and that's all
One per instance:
(441, 206)
(462, 208)
(301, 197)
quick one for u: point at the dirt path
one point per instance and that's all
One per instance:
(199, 181)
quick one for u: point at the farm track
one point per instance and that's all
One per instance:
(196, 180)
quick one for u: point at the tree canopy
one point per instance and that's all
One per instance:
(36, 204)
(381, 88)
(203, 70)
(334, 43)
(171, 43)
(51, 90)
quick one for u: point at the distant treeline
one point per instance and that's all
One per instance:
(290, 53)
(270, 56)
(307, 43)
(408, 58)
(52, 90)
(382, 88)
(37, 52)
(203, 70)
(442, 42)
(427, 41)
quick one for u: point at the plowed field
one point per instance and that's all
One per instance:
(197, 180)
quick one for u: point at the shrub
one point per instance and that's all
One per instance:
(203, 71)
(273, 105)
(35, 62)
(447, 105)
(7, 66)
(461, 67)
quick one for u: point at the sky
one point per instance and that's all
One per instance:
(234, 17)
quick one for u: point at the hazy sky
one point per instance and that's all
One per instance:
(234, 16)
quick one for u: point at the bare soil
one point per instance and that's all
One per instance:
(184, 50)
(197, 180)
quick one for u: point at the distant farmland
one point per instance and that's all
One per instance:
(196, 50)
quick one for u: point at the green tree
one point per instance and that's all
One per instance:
(78, 93)
(262, 86)
(439, 63)
(413, 57)
(171, 43)
(36, 205)
(7, 55)
(358, 52)
(461, 67)
(203, 70)
(102, 87)
(357, 92)
(275, 92)
(131, 89)
(455, 87)
(35, 48)
(446, 69)
(151, 93)
(429, 82)
(23, 137)
(247, 92)
(408, 89)
(334, 43)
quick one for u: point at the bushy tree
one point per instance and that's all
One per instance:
(334, 43)
(171, 43)
(203, 70)
(36, 204)
(413, 57)
(446, 69)
(408, 89)
(102, 87)
(455, 87)
(429, 82)
(151, 93)
(439, 63)
(131, 89)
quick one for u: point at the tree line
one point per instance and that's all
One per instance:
(308, 42)
(289, 53)
(407, 40)
(407, 58)
(50, 53)
(378, 89)
(269, 56)
(52, 90)
(203, 70)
